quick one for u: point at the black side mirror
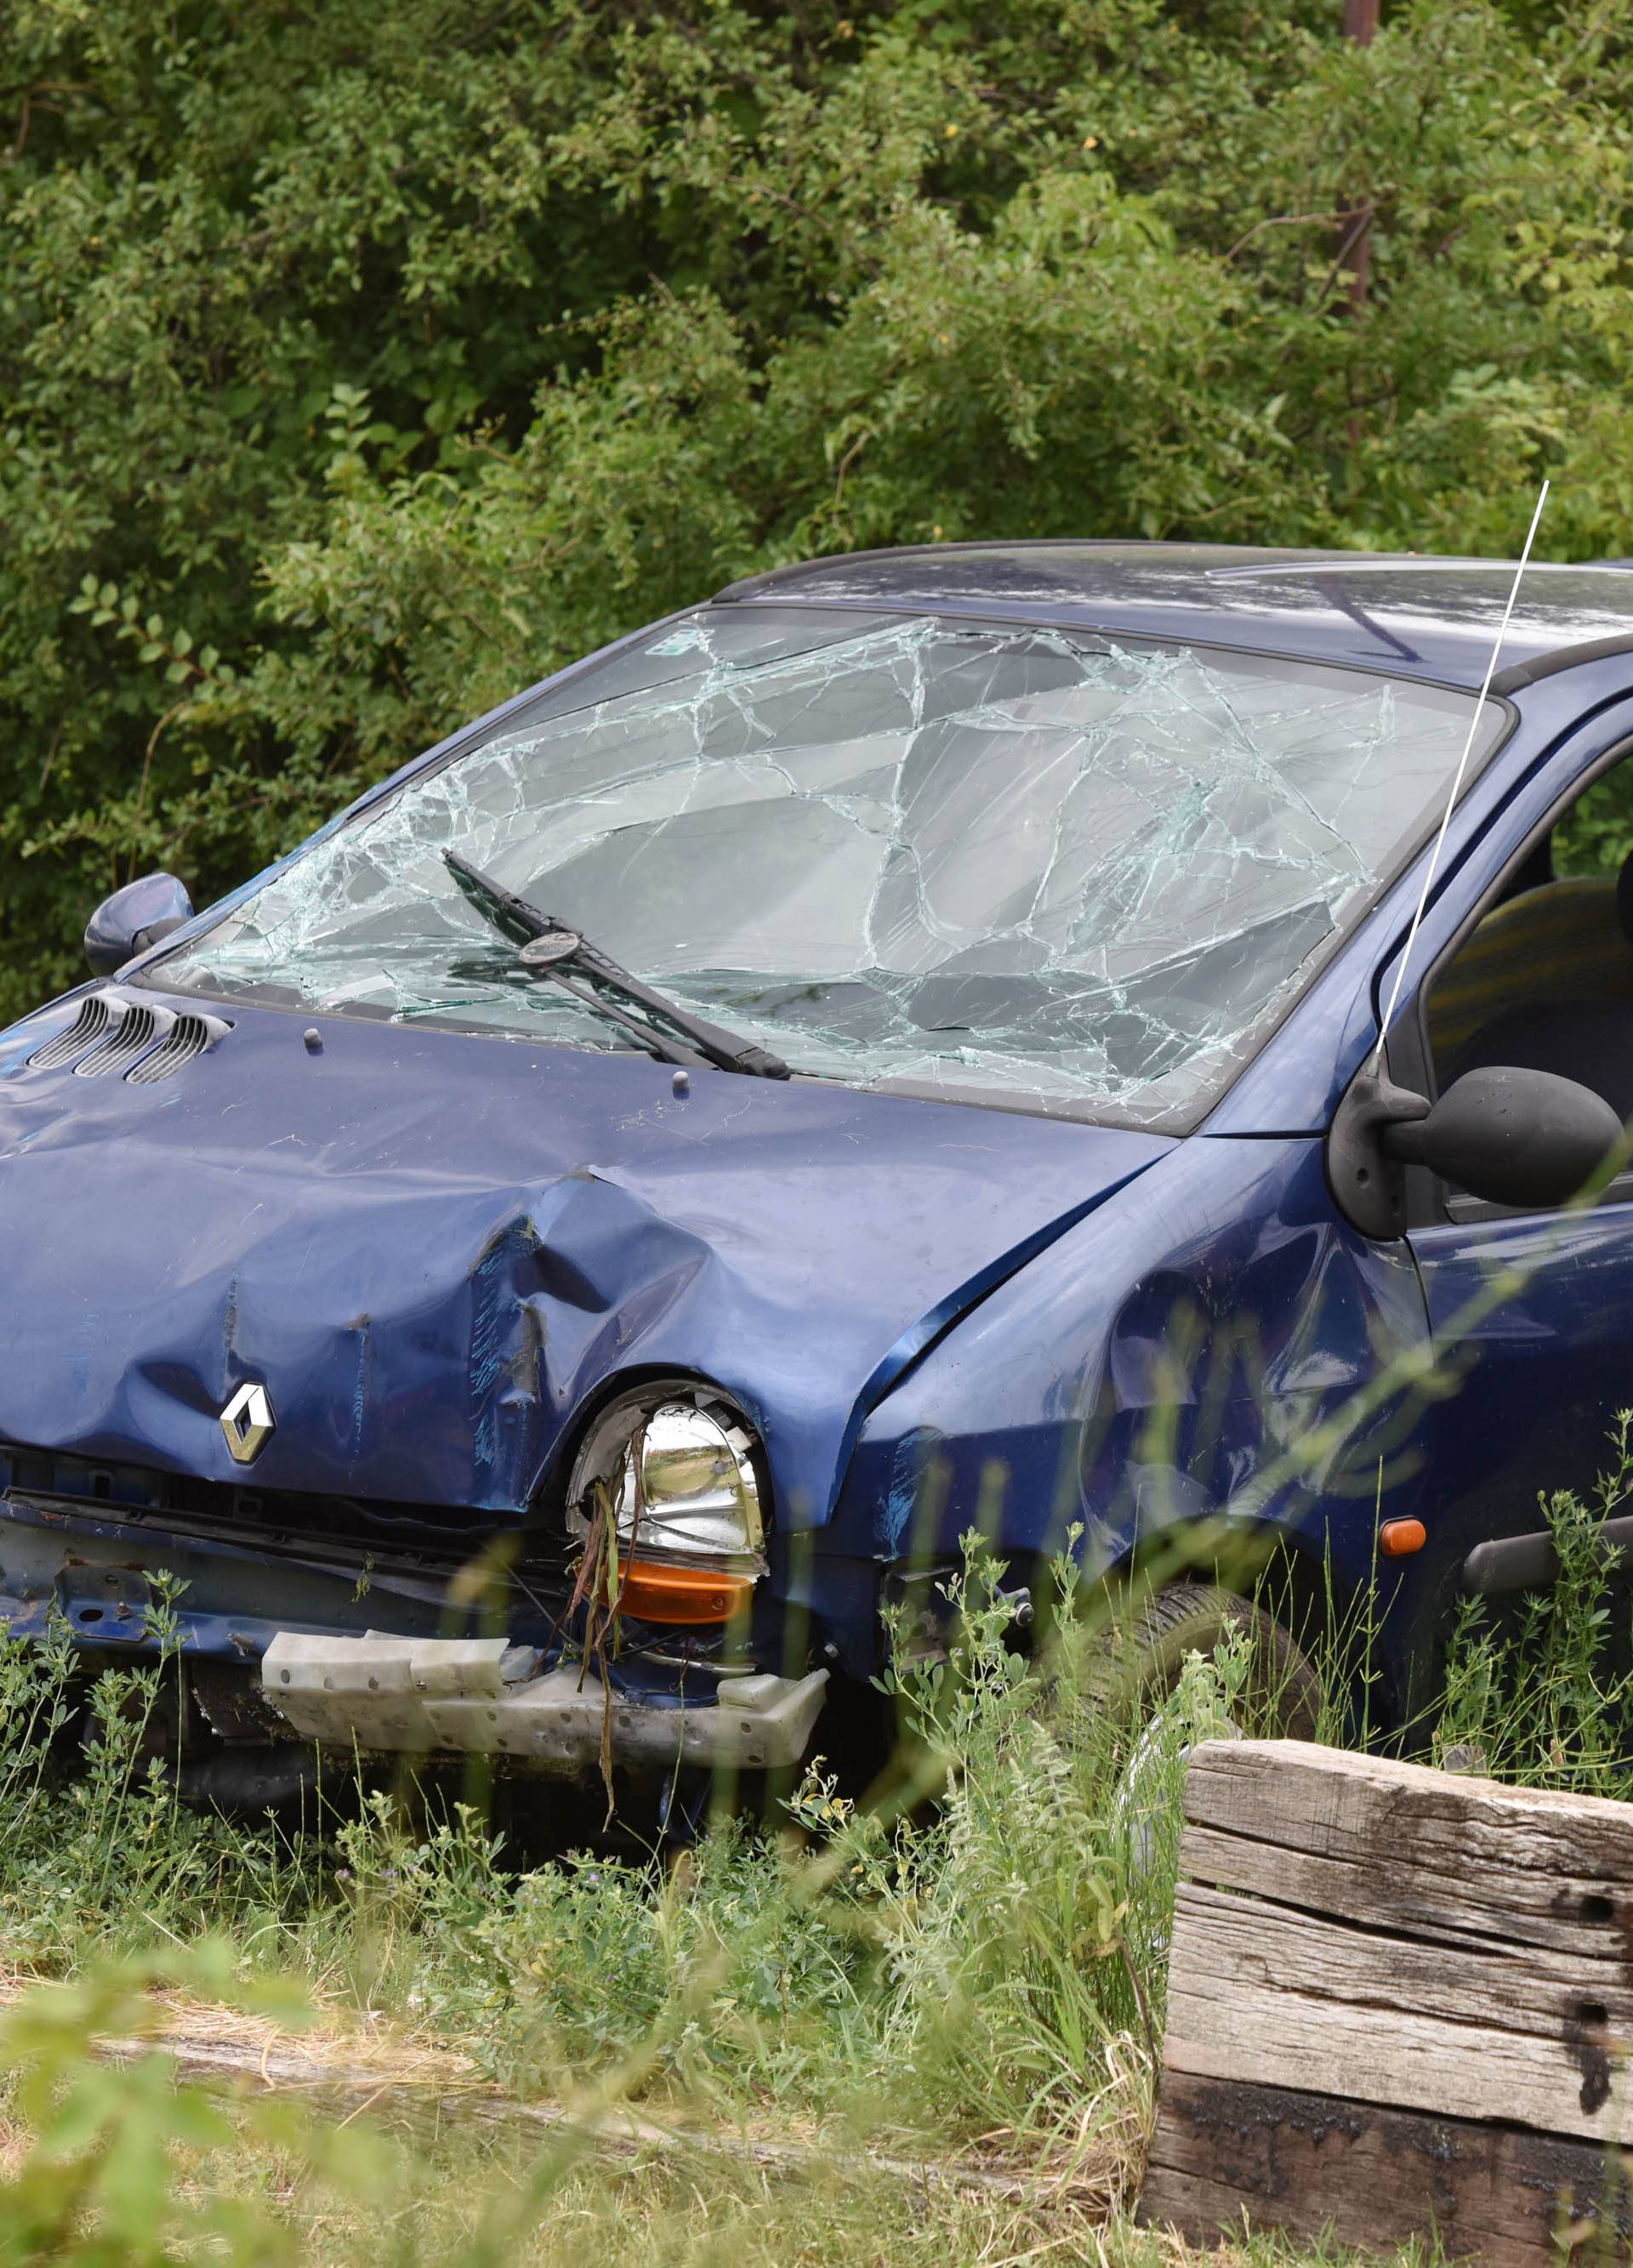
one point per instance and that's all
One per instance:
(133, 919)
(1511, 1136)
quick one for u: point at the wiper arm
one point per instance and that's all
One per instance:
(502, 907)
(553, 950)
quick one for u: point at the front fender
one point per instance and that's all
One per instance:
(1216, 1340)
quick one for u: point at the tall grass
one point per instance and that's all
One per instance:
(968, 1967)
(1539, 1690)
(983, 1968)
(97, 1854)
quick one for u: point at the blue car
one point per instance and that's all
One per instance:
(892, 1052)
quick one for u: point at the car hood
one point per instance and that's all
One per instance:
(435, 1251)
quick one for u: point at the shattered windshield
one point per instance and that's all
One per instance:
(990, 860)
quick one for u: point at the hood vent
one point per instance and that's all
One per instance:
(188, 1035)
(111, 1035)
(98, 1014)
(130, 1037)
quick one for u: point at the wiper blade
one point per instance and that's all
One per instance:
(554, 950)
(505, 910)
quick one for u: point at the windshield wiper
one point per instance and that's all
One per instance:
(553, 950)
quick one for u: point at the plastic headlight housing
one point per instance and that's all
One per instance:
(684, 1471)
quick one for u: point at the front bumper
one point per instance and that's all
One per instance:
(488, 1696)
(283, 1643)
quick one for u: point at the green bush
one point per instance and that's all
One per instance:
(359, 365)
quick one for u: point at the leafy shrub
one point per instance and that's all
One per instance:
(361, 365)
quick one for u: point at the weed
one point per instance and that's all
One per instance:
(1541, 1692)
(980, 1974)
(99, 1851)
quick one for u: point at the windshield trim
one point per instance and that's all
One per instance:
(987, 611)
(1175, 1123)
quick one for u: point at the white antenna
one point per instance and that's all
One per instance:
(1446, 816)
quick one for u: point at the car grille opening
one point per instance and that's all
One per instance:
(400, 1532)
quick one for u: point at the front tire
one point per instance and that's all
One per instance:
(1138, 1670)
(1143, 1656)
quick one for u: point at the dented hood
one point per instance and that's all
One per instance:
(435, 1251)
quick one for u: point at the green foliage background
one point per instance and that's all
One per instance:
(362, 360)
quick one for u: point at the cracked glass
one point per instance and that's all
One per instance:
(1003, 862)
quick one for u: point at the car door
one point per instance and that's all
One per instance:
(1532, 1317)
(1530, 1313)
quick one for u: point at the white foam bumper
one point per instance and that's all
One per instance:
(486, 1696)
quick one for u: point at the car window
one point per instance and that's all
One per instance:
(1544, 980)
(1595, 836)
(990, 860)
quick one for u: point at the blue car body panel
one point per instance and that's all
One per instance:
(1411, 617)
(1076, 1404)
(441, 1251)
(439, 1248)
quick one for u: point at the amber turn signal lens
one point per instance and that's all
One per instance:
(656, 1592)
(1396, 1538)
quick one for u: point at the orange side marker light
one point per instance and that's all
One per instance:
(656, 1592)
(1396, 1538)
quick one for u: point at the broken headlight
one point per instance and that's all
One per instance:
(683, 1471)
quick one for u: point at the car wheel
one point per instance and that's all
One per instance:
(1136, 1669)
(1139, 1662)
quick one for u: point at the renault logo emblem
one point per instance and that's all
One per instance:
(247, 1421)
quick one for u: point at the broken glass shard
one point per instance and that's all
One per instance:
(1001, 861)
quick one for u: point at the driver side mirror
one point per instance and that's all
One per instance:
(1511, 1135)
(134, 918)
(1507, 1135)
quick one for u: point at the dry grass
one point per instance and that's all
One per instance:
(911, 2038)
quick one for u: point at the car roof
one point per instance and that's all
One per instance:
(1412, 615)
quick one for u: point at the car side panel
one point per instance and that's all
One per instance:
(1216, 1341)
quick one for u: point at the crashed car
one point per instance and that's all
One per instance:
(892, 1051)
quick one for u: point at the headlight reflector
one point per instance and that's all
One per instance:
(683, 1470)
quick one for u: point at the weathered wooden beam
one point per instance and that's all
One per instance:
(1307, 2163)
(1398, 1846)
(1375, 1962)
(426, 2108)
(1505, 2033)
